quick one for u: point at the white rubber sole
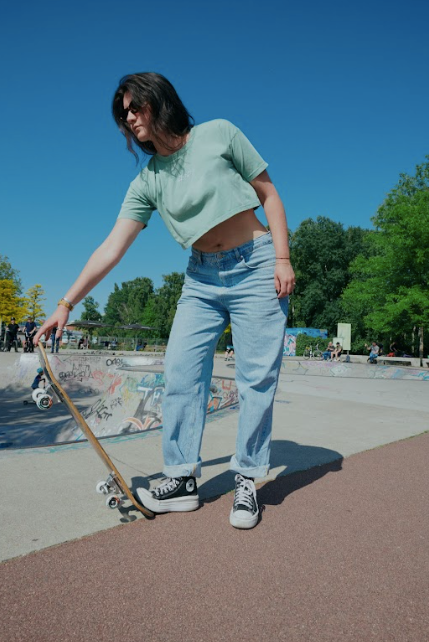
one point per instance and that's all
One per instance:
(238, 521)
(177, 505)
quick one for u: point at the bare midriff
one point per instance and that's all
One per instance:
(237, 230)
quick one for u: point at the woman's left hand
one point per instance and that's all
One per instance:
(284, 279)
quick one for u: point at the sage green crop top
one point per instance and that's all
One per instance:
(204, 183)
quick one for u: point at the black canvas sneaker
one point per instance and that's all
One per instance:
(245, 511)
(178, 494)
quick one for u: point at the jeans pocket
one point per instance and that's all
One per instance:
(260, 258)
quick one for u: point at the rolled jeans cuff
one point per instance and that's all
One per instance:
(183, 470)
(256, 471)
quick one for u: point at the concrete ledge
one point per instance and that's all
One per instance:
(352, 370)
(363, 358)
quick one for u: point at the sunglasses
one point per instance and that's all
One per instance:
(132, 107)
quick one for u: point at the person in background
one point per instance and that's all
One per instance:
(38, 379)
(12, 335)
(336, 352)
(29, 332)
(55, 341)
(374, 352)
(329, 349)
(229, 352)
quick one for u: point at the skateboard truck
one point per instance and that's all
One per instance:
(111, 487)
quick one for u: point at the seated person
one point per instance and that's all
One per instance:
(336, 352)
(394, 350)
(329, 349)
(229, 351)
(374, 352)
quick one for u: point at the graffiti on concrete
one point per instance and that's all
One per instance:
(122, 396)
(289, 345)
(144, 399)
(117, 361)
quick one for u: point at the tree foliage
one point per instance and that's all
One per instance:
(11, 304)
(126, 304)
(164, 302)
(390, 287)
(7, 272)
(33, 302)
(321, 253)
(91, 312)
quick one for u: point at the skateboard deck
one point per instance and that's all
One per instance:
(115, 487)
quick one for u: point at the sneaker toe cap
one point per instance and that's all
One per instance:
(143, 494)
(243, 519)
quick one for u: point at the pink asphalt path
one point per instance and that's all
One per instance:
(341, 554)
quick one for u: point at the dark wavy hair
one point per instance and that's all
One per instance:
(169, 114)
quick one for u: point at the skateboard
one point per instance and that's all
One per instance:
(114, 487)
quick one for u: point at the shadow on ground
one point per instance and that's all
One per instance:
(301, 465)
(23, 425)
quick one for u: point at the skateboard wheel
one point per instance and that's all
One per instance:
(113, 502)
(102, 488)
(44, 402)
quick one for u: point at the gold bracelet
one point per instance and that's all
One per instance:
(282, 258)
(66, 304)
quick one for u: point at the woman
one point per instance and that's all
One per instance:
(206, 182)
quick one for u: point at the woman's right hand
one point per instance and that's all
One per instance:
(58, 319)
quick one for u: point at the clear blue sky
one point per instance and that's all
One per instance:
(334, 95)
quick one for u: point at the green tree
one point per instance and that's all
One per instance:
(11, 304)
(33, 302)
(390, 288)
(9, 273)
(90, 312)
(149, 316)
(321, 253)
(164, 302)
(126, 304)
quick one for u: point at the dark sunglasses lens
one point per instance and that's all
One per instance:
(131, 108)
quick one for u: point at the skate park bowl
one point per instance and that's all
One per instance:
(116, 394)
(120, 394)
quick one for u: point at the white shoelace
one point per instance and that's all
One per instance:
(245, 493)
(166, 486)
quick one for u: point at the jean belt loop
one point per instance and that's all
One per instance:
(197, 255)
(237, 254)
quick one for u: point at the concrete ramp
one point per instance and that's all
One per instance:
(116, 394)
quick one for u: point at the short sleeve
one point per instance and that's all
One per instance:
(246, 159)
(137, 204)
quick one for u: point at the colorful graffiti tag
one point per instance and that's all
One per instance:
(289, 347)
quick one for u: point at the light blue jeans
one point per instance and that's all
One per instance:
(235, 286)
